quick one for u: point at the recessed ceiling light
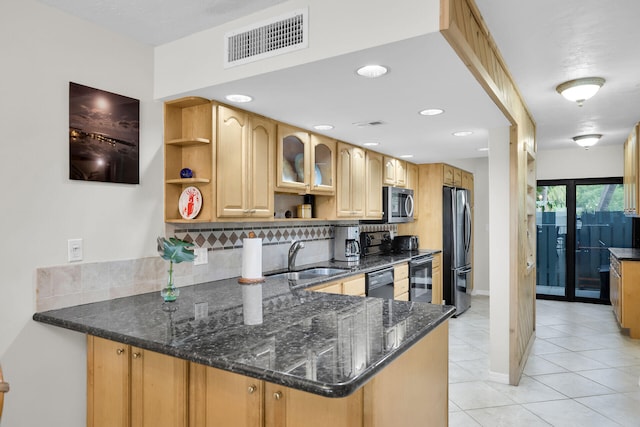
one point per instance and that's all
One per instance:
(238, 98)
(406, 156)
(370, 144)
(462, 133)
(432, 111)
(372, 71)
(323, 127)
(483, 149)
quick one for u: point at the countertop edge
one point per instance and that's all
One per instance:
(337, 390)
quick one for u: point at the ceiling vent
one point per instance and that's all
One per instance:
(276, 36)
(370, 123)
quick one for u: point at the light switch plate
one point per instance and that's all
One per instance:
(74, 250)
(202, 257)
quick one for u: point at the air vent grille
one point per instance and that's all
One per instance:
(277, 36)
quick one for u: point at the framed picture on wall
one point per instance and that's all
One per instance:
(104, 136)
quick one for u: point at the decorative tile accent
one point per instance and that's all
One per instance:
(229, 236)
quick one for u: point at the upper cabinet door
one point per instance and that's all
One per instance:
(395, 172)
(323, 172)
(261, 165)
(293, 160)
(373, 182)
(231, 162)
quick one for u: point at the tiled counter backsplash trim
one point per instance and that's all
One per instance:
(227, 237)
(74, 284)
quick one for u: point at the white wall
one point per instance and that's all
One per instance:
(480, 169)
(572, 163)
(42, 51)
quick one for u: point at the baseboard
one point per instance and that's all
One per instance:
(497, 377)
(480, 292)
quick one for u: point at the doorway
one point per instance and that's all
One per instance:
(577, 222)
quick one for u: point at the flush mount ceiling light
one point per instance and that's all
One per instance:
(372, 71)
(431, 112)
(579, 90)
(370, 144)
(406, 156)
(587, 141)
(238, 98)
(483, 149)
(323, 127)
(462, 133)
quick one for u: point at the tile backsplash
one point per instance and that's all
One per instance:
(73, 284)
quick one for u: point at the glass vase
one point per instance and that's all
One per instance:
(170, 293)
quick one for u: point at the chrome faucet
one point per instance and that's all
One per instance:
(296, 245)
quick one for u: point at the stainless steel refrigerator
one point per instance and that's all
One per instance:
(456, 248)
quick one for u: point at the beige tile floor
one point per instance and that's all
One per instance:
(581, 371)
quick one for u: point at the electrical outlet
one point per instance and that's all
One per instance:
(74, 250)
(202, 256)
(201, 310)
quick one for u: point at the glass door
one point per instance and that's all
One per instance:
(577, 222)
(551, 254)
(600, 224)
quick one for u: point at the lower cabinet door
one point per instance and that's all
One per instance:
(159, 388)
(108, 385)
(286, 407)
(221, 398)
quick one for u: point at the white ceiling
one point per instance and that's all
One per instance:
(544, 43)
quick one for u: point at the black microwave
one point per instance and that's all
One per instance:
(397, 205)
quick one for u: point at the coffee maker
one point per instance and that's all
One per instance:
(346, 242)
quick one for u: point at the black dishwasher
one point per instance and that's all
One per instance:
(379, 283)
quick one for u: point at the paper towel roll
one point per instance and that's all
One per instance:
(252, 304)
(252, 258)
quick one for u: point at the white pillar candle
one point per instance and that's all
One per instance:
(252, 258)
(252, 304)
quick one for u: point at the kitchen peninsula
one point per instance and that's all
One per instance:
(316, 359)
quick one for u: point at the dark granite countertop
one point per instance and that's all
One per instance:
(626, 254)
(325, 344)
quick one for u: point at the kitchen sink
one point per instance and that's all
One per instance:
(310, 273)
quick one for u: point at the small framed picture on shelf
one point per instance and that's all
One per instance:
(104, 136)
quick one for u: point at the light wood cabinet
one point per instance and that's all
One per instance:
(631, 177)
(350, 194)
(246, 159)
(413, 184)
(401, 282)
(305, 162)
(188, 143)
(436, 279)
(128, 386)
(354, 285)
(624, 276)
(373, 196)
(395, 172)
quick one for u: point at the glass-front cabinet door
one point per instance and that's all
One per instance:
(323, 172)
(293, 159)
(306, 162)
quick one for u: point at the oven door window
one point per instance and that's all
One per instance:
(420, 283)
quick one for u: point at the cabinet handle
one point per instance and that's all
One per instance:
(277, 395)
(120, 351)
(4, 387)
(137, 355)
(252, 389)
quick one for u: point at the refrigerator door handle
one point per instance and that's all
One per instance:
(463, 270)
(467, 228)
